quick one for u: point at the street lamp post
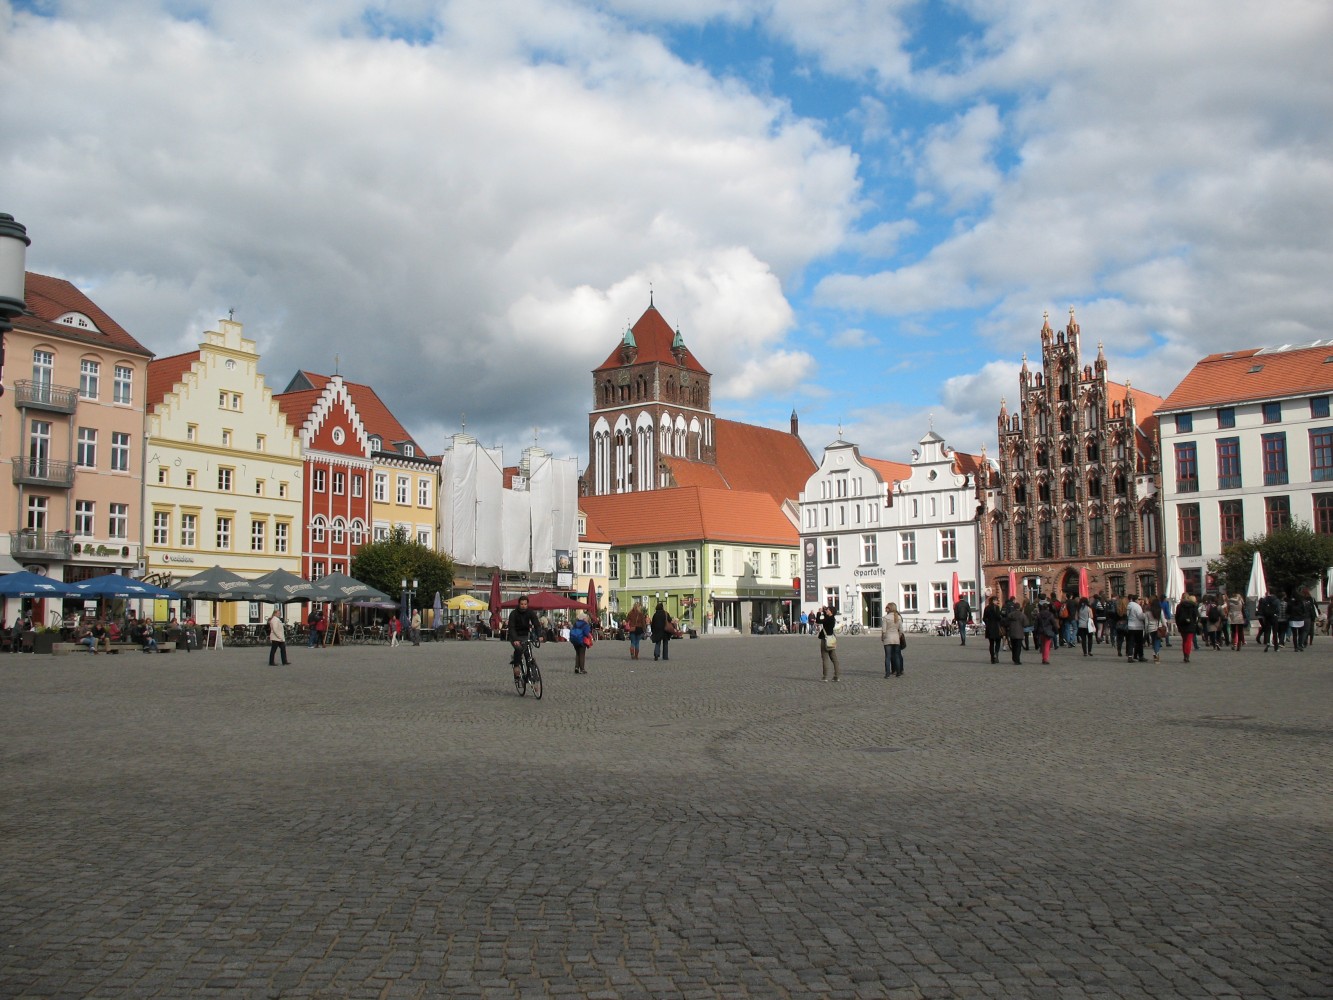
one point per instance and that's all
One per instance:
(409, 588)
(14, 245)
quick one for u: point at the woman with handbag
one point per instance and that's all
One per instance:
(580, 637)
(894, 637)
(825, 621)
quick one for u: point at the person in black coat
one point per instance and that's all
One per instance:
(661, 628)
(992, 620)
(1015, 624)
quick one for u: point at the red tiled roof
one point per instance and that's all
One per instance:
(1223, 379)
(653, 337)
(49, 298)
(296, 406)
(691, 513)
(377, 418)
(762, 460)
(165, 373)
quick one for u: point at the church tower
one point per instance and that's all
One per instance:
(651, 399)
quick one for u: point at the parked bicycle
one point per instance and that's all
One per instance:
(528, 671)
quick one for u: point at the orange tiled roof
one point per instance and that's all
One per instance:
(1222, 379)
(685, 472)
(691, 513)
(762, 460)
(296, 406)
(890, 472)
(653, 336)
(49, 298)
(592, 531)
(165, 373)
(967, 465)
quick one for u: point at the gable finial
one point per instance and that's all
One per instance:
(650, 295)
(231, 315)
(337, 361)
(462, 418)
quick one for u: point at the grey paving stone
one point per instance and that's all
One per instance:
(725, 826)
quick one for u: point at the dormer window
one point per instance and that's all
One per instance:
(79, 321)
(409, 451)
(375, 442)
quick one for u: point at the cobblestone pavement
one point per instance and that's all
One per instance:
(398, 823)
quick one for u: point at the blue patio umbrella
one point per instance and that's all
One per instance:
(25, 584)
(115, 585)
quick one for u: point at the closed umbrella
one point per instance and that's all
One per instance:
(1258, 585)
(1013, 585)
(1083, 588)
(592, 601)
(956, 589)
(1175, 579)
(495, 603)
(437, 612)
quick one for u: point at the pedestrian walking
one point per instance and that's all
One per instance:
(1047, 629)
(1083, 618)
(636, 622)
(1136, 621)
(1296, 622)
(992, 622)
(395, 627)
(277, 638)
(662, 628)
(962, 614)
(1015, 627)
(894, 637)
(312, 624)
(580, 637)
(1236, 618)
(1154, 629)
(1187, 620)
(416, 628)
(825, 621)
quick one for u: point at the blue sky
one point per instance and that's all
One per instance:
(856, 210)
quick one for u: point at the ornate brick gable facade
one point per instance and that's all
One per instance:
(1076, 487)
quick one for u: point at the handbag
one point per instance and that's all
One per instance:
(1161, 631)
(587, 639)
(830, 642)
(902, 640)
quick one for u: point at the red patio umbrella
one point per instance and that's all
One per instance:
(1083, 582)
(495, 603)
(549, 600)
(1013, 585)
(957, 590)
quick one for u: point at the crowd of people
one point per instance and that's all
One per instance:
(1134, 626)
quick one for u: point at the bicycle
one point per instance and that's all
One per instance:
(528, 672)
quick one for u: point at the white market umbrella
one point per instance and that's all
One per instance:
(1258, 585)
(1175, 579)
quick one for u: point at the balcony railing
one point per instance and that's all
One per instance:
(29, 471)
(44, 396)
(40, 544)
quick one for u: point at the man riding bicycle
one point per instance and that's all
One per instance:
(523, 625)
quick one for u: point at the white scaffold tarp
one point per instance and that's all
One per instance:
(459, 484)
(543, 511)
(516, 508)
(490, 514)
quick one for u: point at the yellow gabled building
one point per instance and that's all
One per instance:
(223, 468)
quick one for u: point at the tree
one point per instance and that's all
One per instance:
(1293, 557)
(384, 565)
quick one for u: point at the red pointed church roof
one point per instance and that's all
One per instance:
(653, 337)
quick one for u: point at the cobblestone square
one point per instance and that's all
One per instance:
(398, 823)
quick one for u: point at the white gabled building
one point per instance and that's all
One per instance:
(874, 531)
(1247, 447)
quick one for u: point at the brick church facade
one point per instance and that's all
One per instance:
(1074, 501)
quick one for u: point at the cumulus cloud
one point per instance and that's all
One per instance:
(465, 209)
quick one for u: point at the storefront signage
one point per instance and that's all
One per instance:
(168, 557)
(870, 571)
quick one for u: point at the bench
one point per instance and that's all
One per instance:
(62, 648)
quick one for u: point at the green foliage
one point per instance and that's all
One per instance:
(384, 565)
(1232, 571)
(1293, 557)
